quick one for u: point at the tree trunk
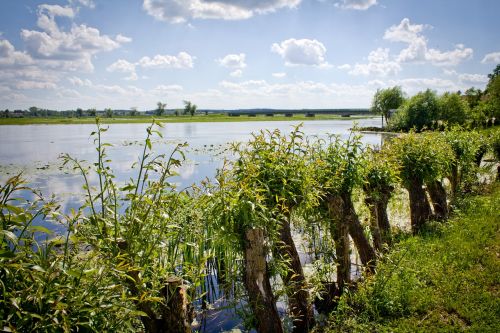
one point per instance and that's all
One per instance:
(340, 234)
(420, 209)
(257, 283)
(365, 250)
(374, 227)
(295, 282)
(177, 313)
(438, 197)
(383, 219)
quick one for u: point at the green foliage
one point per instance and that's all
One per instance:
(425, 157)
(380, 173)
(386, 100)
(495, 143)
(160, 109)
(418, 112)
(453, 109)
(190, 108)
(108, 113)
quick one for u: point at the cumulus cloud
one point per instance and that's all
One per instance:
(181, 60)
(233, 61)
(356, 4)
(307, 52)
(378, 64)
(417, 49)
(123, 39)
(344, 67)
(490, 58)
(122, 66)
(87, 3)
(78, 82)
(167, 89)
(175, 11)
(236, 73)
(10, 57)
(66, 50)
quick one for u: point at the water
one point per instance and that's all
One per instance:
(35, 150)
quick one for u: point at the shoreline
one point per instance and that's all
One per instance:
(167, 119)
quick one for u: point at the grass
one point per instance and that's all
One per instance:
(446, 279)
(167, 119)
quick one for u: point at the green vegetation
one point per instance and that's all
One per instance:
(426, 110)
(443, 280)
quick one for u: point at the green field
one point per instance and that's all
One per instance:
(167, 119)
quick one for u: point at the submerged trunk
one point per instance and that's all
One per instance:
(365, 250)
(257, 283)
(438, 197)
(420, 209)
(374, 227)
(295, 282)
(340, 233)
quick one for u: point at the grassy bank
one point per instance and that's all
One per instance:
(167, 119)
(446, 279)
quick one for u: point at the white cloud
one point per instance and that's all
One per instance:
(417, 49)
(493, 57)
(23, 85)
(167, 89)
(10, 57)
(473, 78)
(404, 32)
(67, 50)
(308, 52)
(78, 82)
(344, 67)
(236, 73)
(123, 39)
(233, 61)
(378, 64)
(176, 11)
(356, 4)
(181, 60)
(86, 3)
(122, 66)
(279, 75)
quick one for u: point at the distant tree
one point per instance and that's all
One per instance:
(177, 112)
(190, 108)
(79, 112)
(6, 113)
(33, 111)
(108, 113)
(160, 110)
(420, 111)
(496, 72)
(92, 112)
(133, 111)
(453, 109)
(386, 100)
(473, 96)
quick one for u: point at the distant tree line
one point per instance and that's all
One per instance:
(428, 110)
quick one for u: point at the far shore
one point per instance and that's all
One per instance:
(167, 119)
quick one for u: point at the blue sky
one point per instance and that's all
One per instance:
(240, 53)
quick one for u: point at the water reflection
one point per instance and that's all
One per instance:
(34, 149)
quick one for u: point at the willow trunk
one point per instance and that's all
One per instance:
(420, 209)
(295, 282)
(260, 294)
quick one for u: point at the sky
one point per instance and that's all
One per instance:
(237, 54)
